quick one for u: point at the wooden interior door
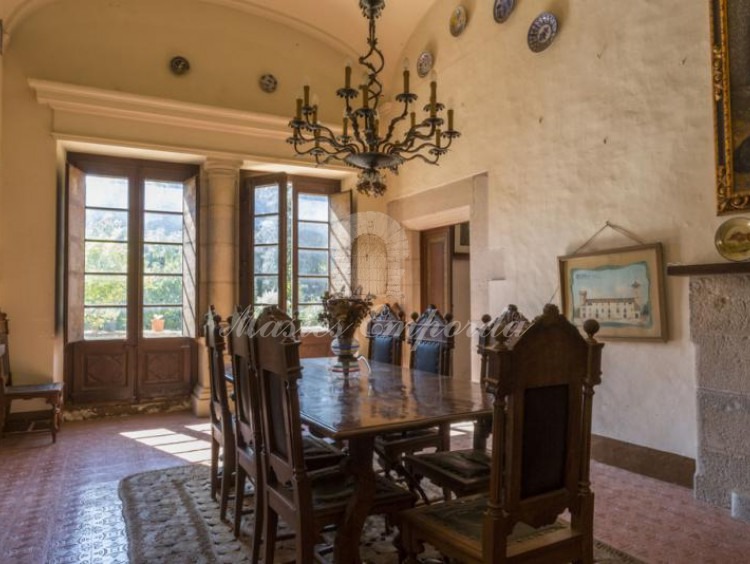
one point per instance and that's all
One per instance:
(436, 268)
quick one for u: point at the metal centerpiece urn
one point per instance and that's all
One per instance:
(343, 315)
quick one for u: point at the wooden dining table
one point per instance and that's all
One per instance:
(388, 399)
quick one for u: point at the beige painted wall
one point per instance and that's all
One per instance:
(614, 123)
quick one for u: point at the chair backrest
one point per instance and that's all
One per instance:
(278, 372)
(220, 413)
(543, 385)
(5, 377)
(431, 337)
(509, 325)
(242, 349)
(385, 332)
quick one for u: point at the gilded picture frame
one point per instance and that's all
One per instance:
(623, 289)
(730, 62)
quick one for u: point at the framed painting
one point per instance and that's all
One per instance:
(730, 42)
(623, 289)
(461, 240)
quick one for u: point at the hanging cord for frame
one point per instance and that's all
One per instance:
(608, 224)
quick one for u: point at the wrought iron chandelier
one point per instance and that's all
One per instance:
(368, 147)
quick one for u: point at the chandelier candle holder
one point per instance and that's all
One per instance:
(343, 315)
(365, 142)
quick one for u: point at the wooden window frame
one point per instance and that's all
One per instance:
(137, 171)
(300, 185)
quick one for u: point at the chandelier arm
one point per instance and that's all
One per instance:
(392, 126)
(414, 136)
(418, 148)
(432, 161)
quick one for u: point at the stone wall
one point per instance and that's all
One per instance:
(720, 329)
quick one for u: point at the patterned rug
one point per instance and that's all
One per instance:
(170, 517)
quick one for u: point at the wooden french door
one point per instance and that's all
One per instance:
(437, 268)
(130, 279)
(294, 241)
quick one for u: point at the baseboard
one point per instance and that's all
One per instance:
(83, 412)
(658, 464)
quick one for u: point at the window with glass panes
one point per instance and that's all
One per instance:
(106, 243)
(286, 243)
(138, 263)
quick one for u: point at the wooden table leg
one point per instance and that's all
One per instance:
(346, 549)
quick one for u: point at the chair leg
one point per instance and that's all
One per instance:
(214, 466)
(408, 547)
(259, 521)
(239, 498)
(306, 537)
(269, 534)
(226, 486)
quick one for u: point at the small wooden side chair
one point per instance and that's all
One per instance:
(222, 423)
(385, 333)
(307, 501)
(467, 472)
(543, 386)
(52, 394)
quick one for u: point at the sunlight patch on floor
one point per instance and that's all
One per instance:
(186, 447)
(200, 428)
(146, 433)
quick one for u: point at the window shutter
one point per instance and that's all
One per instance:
(341, 241)
(74, 253)
(190, 317)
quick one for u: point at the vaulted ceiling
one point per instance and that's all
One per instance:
(338, 22)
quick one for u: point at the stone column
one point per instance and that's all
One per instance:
(218, 255)
(720, 329)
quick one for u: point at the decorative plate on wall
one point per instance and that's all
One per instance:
(268, 83)
(733, 239)
(542, 32)
(503, 9)
(459, 18)
(424, 63)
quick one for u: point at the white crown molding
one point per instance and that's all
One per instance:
(195, 155)
(135, 107)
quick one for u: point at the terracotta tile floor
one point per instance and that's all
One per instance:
(59, 503)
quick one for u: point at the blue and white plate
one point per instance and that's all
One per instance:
(503, 9)
(542, 32)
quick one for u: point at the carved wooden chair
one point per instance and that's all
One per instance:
(306, 500)
(385, 333)
(222, 420)
(247, 430)
(52, 394)
(248, 433)
(466, 472)
(431, 337)
(543, 385)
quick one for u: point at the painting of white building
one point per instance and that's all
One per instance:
(615, 296)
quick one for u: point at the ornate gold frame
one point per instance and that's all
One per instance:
(729, 199)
